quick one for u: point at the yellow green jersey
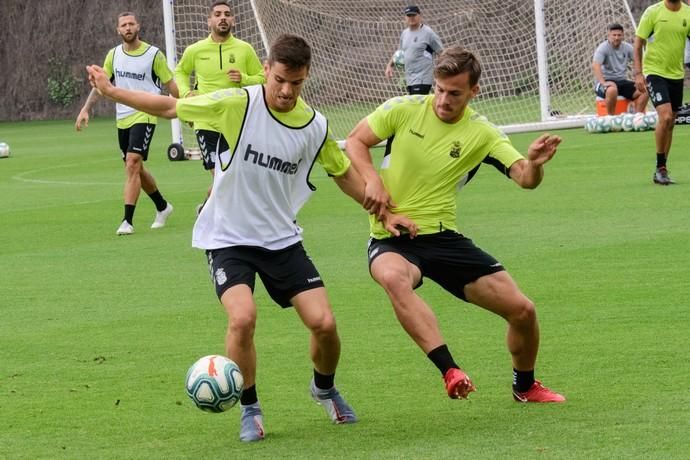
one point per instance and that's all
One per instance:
(427, 160)
(210, 61)
(666, 32)
(145, 69)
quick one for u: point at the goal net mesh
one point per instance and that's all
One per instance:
(353, 40)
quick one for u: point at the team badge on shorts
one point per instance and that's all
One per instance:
(221, 277)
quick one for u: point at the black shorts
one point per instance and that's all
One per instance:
(285, 272)
(626, 88)
(136, 139)
(211, 143)
(665, 91)
(448, 258)
(419, 89)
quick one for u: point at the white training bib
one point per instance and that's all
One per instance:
(260, 186)
(135, 73)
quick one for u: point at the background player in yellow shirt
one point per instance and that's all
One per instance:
(135, 65)
(219, 61)
(435, 144)
(662, 32)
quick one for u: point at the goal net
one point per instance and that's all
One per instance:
(536, 54)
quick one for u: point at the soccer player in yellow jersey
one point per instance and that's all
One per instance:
(436, 143)
(135, 65)
(249, 224)
(219, 61)
(662, 32)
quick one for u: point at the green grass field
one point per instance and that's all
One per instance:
(97, 331)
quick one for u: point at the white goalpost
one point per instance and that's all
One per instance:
(536, 55)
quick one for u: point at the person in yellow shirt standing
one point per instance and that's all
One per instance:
(219, 61)
(663, 30)
(135, 64)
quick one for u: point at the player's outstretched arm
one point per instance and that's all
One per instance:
(376, 197)
(154, 104)
(530, 172)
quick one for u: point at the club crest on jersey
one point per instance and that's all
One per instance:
(455, 149)
(231, 58)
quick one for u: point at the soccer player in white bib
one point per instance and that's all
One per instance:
(248, 225)
(436, 144)
(139, 66)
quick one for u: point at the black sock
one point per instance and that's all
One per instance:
(249, 396)
(661, 160)
(324, 382)
(158, 200)
(522, 380)
(441, 357)
(129, 213)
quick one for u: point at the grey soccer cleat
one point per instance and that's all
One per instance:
(661, 177)
(338, 410)
(251, 423)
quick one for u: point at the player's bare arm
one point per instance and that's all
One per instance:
(376, 198)
(530, 172)
(172, 88)
(83, 116)
(154, 104)
(638, 46)
(352, 184)
(598, 75)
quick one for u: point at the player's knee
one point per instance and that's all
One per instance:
(242, 324)
(323, 325)
(524, 313)
(612, 92)
(394, 282)
(133, 165)
(666, 119)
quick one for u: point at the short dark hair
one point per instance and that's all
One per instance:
(127, 13)
(219, 3)
(615, 26)
(455, 60)
(292, 51)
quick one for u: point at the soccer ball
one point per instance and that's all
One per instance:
(399, 59)
(639, 122)
(591, 125)
(616, 123)
(214, 383)
(651, 118)
(628, 122)
(603, 124)
(4, 150)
